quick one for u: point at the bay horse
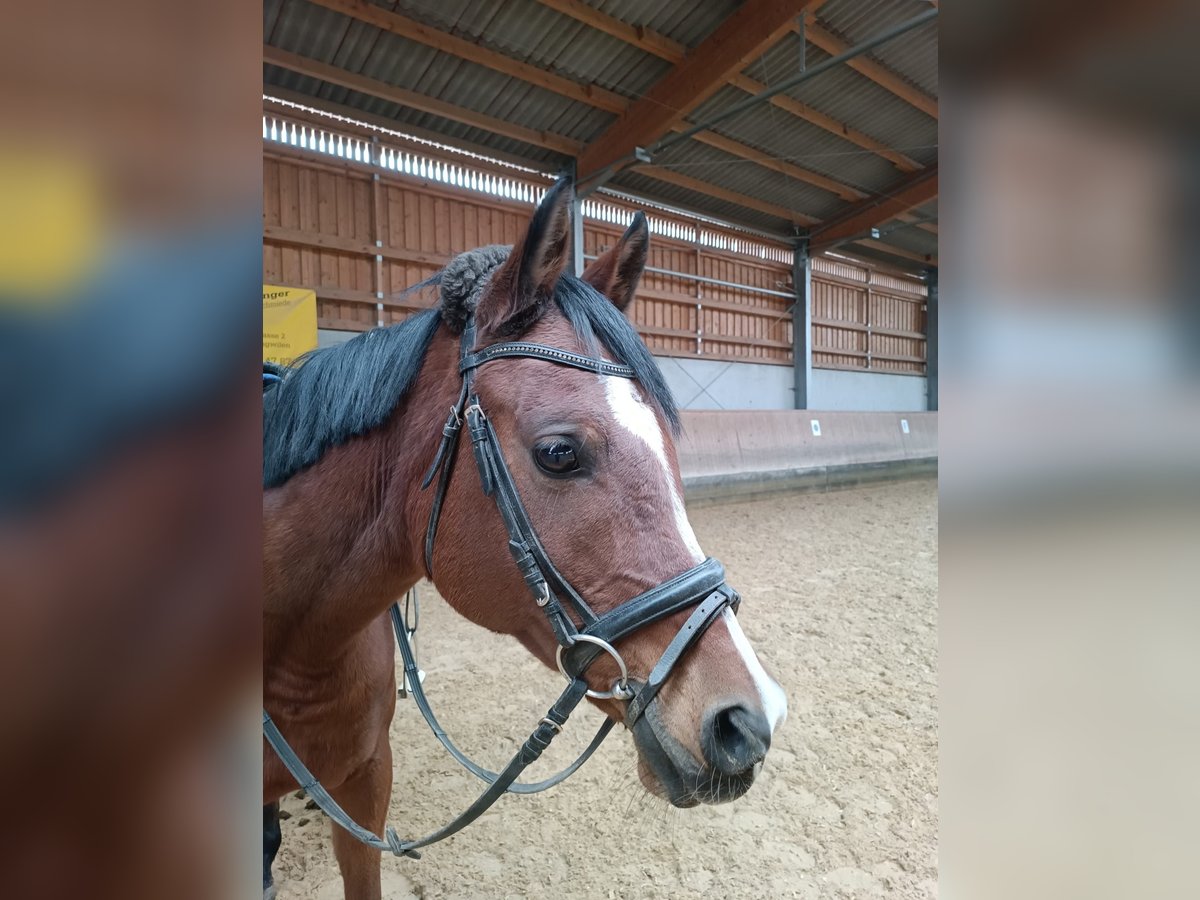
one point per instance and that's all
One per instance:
(582, 424)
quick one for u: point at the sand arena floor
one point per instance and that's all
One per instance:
(841, 604)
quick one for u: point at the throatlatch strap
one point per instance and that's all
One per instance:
(444, 457)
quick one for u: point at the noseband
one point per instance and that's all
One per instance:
(581, 633)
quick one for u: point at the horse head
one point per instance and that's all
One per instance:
(593, 459)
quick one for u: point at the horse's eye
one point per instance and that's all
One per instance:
(556, 456)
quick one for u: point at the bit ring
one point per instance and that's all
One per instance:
(620, 689)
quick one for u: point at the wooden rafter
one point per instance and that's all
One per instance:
(412, 30)
(915, 190)
(910, 219)
(672, 51)
(881, 247)
(332, 74)
(703, 187)
(644, 38)
(882, 76)
(744, 151)
(828, 123)
(743, 36)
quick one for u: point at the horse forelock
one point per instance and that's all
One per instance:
(463, 281)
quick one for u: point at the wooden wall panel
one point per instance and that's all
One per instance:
(323, 215)
(866, 319)
(679, 315)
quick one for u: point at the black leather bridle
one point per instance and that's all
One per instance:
(701, 588)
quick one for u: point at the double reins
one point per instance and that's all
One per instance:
(701, 588)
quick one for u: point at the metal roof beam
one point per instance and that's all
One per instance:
(742, 37)
(332, 74)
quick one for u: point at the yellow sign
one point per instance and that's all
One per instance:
(289, 323)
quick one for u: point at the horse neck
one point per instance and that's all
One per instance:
(363, 517)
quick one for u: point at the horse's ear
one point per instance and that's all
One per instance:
(617, 271)
(523, 287)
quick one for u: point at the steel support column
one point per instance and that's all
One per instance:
(931, 340)
(802, 325)
(577, 236)
(577, 261)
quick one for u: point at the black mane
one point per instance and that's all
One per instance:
(339, 392)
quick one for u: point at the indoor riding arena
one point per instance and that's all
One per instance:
(785, 156)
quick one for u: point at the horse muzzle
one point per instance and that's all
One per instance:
(734, 741)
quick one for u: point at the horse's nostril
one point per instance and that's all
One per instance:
(736, 739)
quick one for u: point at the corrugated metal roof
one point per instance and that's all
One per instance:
(911, 238)
(528, 31)
(913, 56)
(799, 141)
(634, 182)
(684, 21)
(854, 99)
(926, 210)
(533, 33)
(365, 50)
(734, 173)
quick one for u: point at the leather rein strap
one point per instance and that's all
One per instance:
(702, 587)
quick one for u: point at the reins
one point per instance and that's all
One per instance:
(702, 587)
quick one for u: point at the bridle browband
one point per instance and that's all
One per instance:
(701, 588)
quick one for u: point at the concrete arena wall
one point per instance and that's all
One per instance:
(867, 391)
(713, 384)
(327, 337)
(741, 453)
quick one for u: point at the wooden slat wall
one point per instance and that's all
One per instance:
(323, 214)
(350, 228)
(317, 233)
(867, 320)
(679, 316)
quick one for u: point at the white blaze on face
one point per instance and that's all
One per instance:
(636, 416)
(774, 701)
